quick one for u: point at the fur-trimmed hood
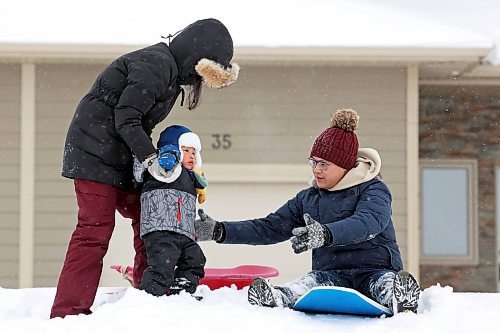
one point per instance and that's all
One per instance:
(367, 167)
(205, 48)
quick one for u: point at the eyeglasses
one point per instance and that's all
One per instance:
(321, 164)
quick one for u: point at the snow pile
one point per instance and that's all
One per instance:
(226, 309)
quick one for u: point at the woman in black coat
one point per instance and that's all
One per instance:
(113, 122)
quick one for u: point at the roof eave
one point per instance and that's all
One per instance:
(105, 52)
(361, 54)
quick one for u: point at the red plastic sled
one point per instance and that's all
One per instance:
(240, 276)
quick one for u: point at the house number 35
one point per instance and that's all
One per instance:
(221, 141)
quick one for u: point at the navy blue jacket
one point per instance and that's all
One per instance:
(358, 217)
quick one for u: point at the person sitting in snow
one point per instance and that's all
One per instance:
(344, 218)
(168, 211)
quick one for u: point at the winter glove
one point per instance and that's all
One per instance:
(200, 177)
(168, 156)
(207, 229)
(312, 236)
(152, 165)
(201, 192)
(138, 169)
(202, 195)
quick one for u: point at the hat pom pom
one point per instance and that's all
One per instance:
(346, 119)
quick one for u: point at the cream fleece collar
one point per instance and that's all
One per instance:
(367, 167)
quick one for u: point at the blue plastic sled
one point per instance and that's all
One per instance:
(338, 300)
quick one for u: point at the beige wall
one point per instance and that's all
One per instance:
(272, 114)
(10, 92)
(59, 89)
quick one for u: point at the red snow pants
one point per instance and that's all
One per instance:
(81, 272)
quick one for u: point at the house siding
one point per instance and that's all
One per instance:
(272, 115)
(10, 110)
(59, 87)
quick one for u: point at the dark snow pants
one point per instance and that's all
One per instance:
(176, 263)
(374, 283)
(81, 272)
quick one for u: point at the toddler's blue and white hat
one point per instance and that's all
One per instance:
(178, 136)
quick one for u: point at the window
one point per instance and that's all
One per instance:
(448, 212)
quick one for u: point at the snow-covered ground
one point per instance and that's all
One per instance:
(226, 310)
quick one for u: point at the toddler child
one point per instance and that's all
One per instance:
(168, 211)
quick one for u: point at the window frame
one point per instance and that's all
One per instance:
(472, 258)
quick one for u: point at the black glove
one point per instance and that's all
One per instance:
(207, 229)
(312, 236)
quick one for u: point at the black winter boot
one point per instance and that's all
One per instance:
(181, 284)
(261, 293)
(406, 292)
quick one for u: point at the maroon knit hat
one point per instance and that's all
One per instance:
(339, 144)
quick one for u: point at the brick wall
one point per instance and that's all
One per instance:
(466, 125)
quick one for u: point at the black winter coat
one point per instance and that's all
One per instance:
(117, 116)
(115, 119)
